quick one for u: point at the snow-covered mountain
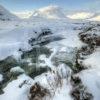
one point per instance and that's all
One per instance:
(23, 14)
(6, 15)
(84, 16)
(52, 12)
(96, 17)
(80, 15)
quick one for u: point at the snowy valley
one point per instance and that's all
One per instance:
(49, 56)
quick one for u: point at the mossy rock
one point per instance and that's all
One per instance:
(16, 71)
(33, 70)
(38, 71)
(7, 64)
(35, 52)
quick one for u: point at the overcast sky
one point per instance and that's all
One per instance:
(23, 5)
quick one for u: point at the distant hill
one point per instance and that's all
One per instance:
(51, 12)
(6, 15)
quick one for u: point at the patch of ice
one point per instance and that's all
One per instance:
(1, 77)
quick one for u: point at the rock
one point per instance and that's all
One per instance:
(45, 37)
(79, 91)
(16, 71)
(7, 64)
(37, 92)
(91, 35)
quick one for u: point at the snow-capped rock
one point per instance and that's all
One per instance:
(17, 70)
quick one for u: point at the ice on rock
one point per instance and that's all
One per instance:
(17, 69)
(1, 77)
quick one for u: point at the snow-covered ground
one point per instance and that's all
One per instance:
(91, 77)
(13, 37)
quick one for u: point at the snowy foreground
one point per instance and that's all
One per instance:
(56, 52)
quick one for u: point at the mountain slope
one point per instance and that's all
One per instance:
(96, 17)
(80, 15)
(6, 15)
(52, 12)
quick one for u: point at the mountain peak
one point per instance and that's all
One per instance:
(6, 15)
(52, 12)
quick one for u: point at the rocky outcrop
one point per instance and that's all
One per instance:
(37, 92)
(79, 91)
(44, 37)
(91, 37)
